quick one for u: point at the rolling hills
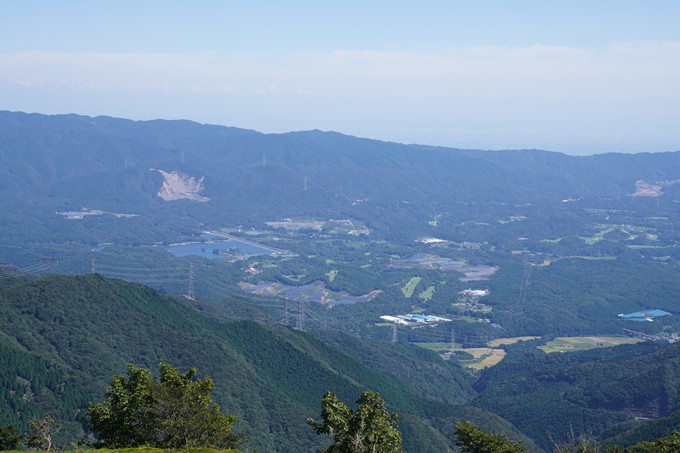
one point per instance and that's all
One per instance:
(66, 162)
(599, 391)
(63, 338)
(572, 242)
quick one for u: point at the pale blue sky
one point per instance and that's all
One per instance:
(573, 76)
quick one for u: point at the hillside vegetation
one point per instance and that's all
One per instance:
(66, 337)
(589, 390)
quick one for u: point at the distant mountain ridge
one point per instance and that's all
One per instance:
(63, 163)
(63, 147)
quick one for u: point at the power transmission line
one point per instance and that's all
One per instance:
(301, 315)
(10, 271)
(106, 266)
(190, 290)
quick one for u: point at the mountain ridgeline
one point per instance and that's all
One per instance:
(64, 147)
(66, 162)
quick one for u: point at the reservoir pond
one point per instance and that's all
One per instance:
(214, 241)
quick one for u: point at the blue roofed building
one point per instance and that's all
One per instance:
(644, 315)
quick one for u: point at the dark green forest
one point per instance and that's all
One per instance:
(65, 336)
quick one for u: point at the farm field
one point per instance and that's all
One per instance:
(570, 344)
(439, 347)
(631, 231)
(484, 357)
(499, 341)
(411, 286)
(478, 353)
(597, 236)
(427, 294)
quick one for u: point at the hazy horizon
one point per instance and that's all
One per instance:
(432, 142)
(566, 76)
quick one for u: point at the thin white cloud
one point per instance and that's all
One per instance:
(497, 71)
(664, 50)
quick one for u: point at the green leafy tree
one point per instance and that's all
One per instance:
(124, 419)
(173, 412)
(43, 431)
(472, 439)
(369, 429)
(9, 438)
(668, 444)
(186, 415)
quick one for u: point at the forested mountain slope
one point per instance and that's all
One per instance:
(635, 431)
(67, 162)
(410, 366)
(589, 390)
(63, 338)
(46, 149)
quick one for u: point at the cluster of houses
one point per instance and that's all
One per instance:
(474, 293)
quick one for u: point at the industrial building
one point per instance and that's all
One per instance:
(644, 315)
(414, 319)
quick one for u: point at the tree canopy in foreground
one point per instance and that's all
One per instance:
(472, 439)
(369, 429)
(173, 412)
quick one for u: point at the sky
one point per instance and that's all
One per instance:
(579, 77)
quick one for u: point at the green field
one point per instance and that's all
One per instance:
(499, 341)
(427, 294)
(439, 347)
(331, 275)
(630, 231)
(484, 357)
(570, 344)
(597, 236)
(411, 286)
